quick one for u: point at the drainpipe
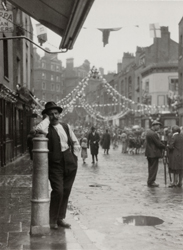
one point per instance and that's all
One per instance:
(40, 190)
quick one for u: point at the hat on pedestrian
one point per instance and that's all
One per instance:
(51, 105)
(156, 123)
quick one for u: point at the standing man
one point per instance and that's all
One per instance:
(153, 152)
(105, 142)
(93, 142)
(63, 150)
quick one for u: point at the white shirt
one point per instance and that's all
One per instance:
(44, 124)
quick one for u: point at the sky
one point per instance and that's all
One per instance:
(126, 14)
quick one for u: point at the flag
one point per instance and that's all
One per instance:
(155, 30)
(105, 34)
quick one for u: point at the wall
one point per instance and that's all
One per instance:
(158, 85)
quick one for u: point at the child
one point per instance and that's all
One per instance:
(84, 154)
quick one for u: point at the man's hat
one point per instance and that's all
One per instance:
(49, 106)
(156, 123)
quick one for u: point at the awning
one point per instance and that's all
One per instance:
(64, 17)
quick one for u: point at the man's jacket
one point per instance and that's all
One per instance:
(154, 145)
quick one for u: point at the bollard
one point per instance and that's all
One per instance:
(40, 191)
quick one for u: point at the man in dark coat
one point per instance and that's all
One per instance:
(105, 142)
(153, 152)
(63, 150)
(93, 143)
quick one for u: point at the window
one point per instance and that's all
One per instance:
(52, 86)
(122, 87)
(43, 85)
(18, 71)
(161, 100)
(43, 65)
(57, 98)
(169, 122)
(58, 87)
(43, 76)
(57, 79)
(57, 67)
(174, 85)
(5, 57)
(147, 86)
(52, 67)
(43, 96)
(52, 78)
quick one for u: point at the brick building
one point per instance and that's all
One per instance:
(48, 77)
(147, 77)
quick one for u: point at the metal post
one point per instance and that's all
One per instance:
(40, 191)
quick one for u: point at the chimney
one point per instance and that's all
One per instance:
(119, 67)
(127, 59)
(69, 63)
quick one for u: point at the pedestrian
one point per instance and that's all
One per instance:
(93, 143)
(124, 142)
(175, 147)
(63, 151)
(105, 142)
(30, 143)
(153, 152)
(84, 153)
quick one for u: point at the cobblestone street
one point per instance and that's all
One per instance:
(116, 187)
(103, 194)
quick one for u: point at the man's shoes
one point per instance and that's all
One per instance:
(171, 185)
(62, 223)
(54, 226)
(153, 185)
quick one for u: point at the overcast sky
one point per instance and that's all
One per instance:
(114, 14)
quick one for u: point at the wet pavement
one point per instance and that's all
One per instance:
(15, 215)
(110, 207)
(115, 188)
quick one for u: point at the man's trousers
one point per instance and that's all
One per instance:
(152, 170)
(62, 172)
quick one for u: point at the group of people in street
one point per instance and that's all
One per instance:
(65, 147)
(171, 148)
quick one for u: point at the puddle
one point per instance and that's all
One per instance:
(95, 185)
(141, 220)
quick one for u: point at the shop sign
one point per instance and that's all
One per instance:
(6, 21)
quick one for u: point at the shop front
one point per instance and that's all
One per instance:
(15, 124)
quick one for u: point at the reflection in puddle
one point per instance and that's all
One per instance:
(141, 220)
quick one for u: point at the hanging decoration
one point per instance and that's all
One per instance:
(77, 99)
(105, 34)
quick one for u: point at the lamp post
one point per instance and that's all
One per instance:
(40, 191)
